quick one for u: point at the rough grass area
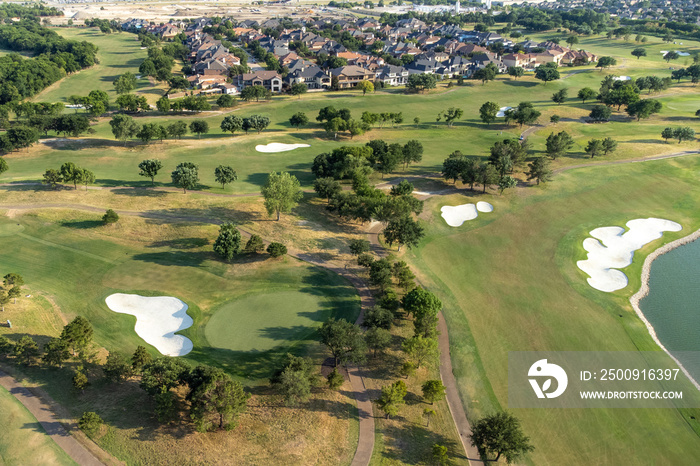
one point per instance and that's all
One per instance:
(512, 285)
(23, 440)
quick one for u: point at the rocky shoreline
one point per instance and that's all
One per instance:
(644, 290)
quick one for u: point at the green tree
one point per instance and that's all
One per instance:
(412, 152)
(365, 87)
(231, 124)
(276, 249)
(667, 134)
(547, 73)
(486, 175)
(140, 358)
(516, 71)
(644, 108)
(420, 349)
(488, 111)
(379, 317)
(213, 394)
(639, 52)
(609, 146)
(70, 172)
(3, 166)
(199, 127)
(452, 114)
(163, 104)
(525, 114)
(606, 62)
(403, 275)
(85, 177)
(110, 216)
(77, 335)
(228, 243)
(90, 423)
(392, 398)
(55, 352)
(299, 119)
(26, 350)
(14, 293)
(586, 94)
(558, 144)
(177, 129)
(672, 55)
(257, 122)
(150, 168)
(254, 245)
(440, 451)
(378, 339)
(13, 279)
(403, 231)
(117, 368)
(433, 390)
(506, 182)
(428, 413)
(123, 127)
(485, 74)
(572, 40)
(225, 174)
(125, 83)
(500, 434)
(295, 379)
(298, 89)
(335, 379)
(559, 97)
(685, 133)
(359, 246)
(80, 379)
(225, 101)
(344, 340)
(282, 192)
(539, 169)
(600, 113)
(186, 176)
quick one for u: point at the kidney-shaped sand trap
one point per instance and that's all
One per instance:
(455, 216)
(613, 248)
(278, 147)
(157, 320)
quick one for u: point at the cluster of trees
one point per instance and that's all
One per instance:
(523, 114)
(684, 133)
(692, 73)
(376, 155)
(256, 93)
(233, 123)
(503, 159)
(18, 137)
(421, 82)
(337, 121)
(69, 173)
(124, 127)
(213, 398)
(193, 103)
(601, 146)
(95, 103)
(55, 56)
(229, 243)
(159, 65)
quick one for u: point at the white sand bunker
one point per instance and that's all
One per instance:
(622, 78)
(157, 320)
(455, 216)
(278, 147)
(502, 112)
(615, 250)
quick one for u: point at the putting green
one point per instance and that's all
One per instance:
(261, 322)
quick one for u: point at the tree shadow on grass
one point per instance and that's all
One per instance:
(411, 443)
(647, 141)
(82, 224)
(175, 258)
(180, 243)
(522, 84)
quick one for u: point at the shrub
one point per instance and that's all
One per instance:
(277, 249)
(110, 217)
(90, 423)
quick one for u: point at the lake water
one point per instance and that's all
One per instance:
(673, 303)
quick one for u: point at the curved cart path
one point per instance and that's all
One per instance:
(365, 445)
(49, 421)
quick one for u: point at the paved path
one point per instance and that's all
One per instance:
(365, 444)
(48, 420)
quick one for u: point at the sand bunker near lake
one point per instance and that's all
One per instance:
(502, 112)
(612, 248)
(278, 147)
(455, 216)
(157, 320)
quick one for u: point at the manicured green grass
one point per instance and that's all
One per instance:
(22, 439)
(244, 324)
(117, 54)
(509, 283)
(79, 267)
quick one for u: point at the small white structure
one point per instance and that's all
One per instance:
(612, 248)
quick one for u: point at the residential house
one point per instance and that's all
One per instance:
(270, 80)
(392, 75)
(349, 76)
